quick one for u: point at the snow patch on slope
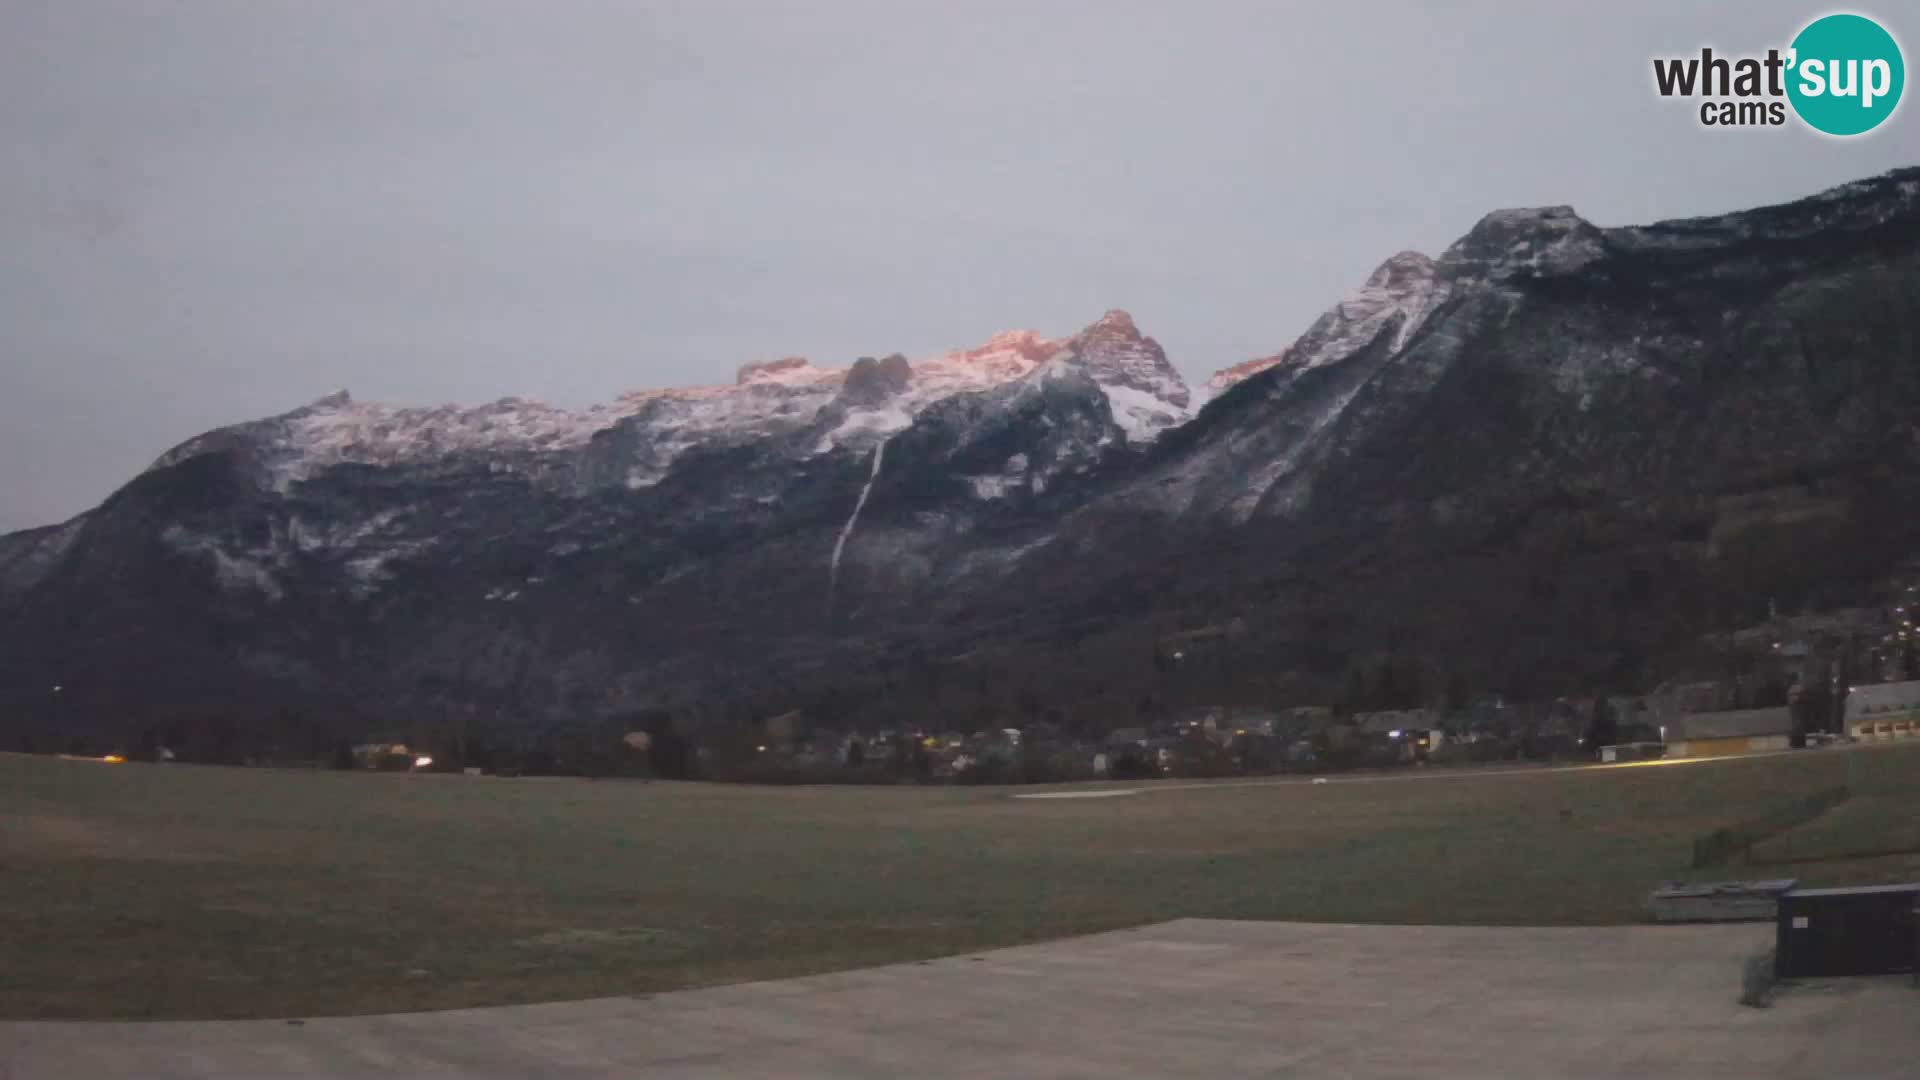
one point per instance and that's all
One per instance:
(1405, 288)
(1284, 465)
(846, 531)
(1144, 393)
(1141, 414)
(234, 572)
(1012, 476)
(27, 558)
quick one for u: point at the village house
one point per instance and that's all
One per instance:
(1303, 722)
(783, 732)
(1125, 749)
(1884, 711)
(1223, 723)
(1044, 733)
(386, 753)
(1411, 734)
(1671, 701)
(821, 746)
(1635, 735)
(1174, 755)
(1297, 722)
(1633, 719)
(1555, 728)
(1729, 731)
(1484, 718)
(1000, 745)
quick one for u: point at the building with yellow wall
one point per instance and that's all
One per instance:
(1731, 731)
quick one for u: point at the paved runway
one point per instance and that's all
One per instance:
(1189, 998)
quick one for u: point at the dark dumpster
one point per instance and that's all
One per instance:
(1868, 930)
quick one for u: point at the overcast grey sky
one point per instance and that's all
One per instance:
(212, 211)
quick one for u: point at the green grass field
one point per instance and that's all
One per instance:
(143, 891)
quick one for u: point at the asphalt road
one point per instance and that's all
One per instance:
(1188, 998)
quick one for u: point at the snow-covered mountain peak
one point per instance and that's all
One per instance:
(1401, 286)
(852, 407)
(1403, 271)
(1528, 241)
(1400, 292)
(1144, 392)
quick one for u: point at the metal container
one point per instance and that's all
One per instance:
(1869, 930)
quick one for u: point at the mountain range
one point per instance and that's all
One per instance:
(1548, 460)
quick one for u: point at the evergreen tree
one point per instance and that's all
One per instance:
(1603, 726)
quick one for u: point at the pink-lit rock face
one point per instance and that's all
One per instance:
(1010, 345)
(1144, 392)
(1246, 369)
(853, 406)
(1004, 357)
(787, 371)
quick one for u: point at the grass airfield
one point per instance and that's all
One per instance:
(138, 891)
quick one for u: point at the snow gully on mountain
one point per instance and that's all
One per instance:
(840, 545)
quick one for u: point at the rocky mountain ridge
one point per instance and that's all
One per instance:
(1510, 463)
